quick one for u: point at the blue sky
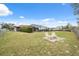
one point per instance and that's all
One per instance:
(47, 14)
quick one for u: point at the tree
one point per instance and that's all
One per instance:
(69, 27)
(75, 7)
(8, 26)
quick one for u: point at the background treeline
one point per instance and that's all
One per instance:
(30, 28)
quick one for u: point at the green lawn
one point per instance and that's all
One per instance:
(18, 43)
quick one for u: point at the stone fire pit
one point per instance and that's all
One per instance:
(53, 37)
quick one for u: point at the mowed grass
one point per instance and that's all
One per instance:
(34, 44)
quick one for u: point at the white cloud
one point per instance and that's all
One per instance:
(63, 4)
(17, 23)
(62, 22)
(48, 19)
(49, 23)
(21, 17)
(4, 11)
(52, 22)
(45, 20)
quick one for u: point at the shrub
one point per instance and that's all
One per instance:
(25, 28)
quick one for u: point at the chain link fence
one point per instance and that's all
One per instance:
(76, 31)
(2, 33)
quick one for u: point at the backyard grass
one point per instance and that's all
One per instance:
(34, 44)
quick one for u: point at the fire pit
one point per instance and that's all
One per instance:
(53, 37)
